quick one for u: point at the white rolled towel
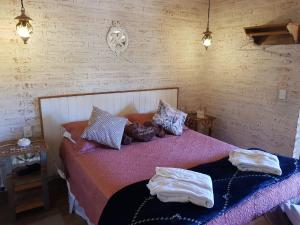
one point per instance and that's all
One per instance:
(179, 185)
(255, 160)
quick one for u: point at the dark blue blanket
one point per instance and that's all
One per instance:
(133, 205)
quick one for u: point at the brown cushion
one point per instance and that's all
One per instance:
(76, 128)
(140, 117)
(126, 140)
(140, 133)
(159, 130)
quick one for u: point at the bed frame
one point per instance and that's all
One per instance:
(57, 110)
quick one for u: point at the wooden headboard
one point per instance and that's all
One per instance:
(57, 110)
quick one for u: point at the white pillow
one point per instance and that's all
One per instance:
(171, 119)
(105, 128)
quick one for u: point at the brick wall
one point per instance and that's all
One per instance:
(68, 52)
(235, 80)
(241, 83)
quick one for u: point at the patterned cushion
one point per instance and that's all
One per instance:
(126, 140)
(159, 130)
(105, 128)
(171, 119)
(140, 133)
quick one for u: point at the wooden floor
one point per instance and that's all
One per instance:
(59, 207)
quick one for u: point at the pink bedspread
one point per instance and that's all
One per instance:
(94, 177)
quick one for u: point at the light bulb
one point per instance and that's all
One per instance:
(207, 42)
(24, 31)
(207, 39)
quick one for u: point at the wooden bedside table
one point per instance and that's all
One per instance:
(26, 191)
(207, 122)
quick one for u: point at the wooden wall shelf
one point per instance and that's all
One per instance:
(275, 34)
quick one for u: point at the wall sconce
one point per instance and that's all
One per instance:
(207, 38)
(23, 27)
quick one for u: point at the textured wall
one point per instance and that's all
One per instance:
(240, 84)
(235, 80)
(68, 52)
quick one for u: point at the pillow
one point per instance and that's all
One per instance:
(159, 130)
(105, 128)
(75, 128)
(171, 119)
(126, 140)
(139, 132)
(140, 117)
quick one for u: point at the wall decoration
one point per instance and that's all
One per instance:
(117, 38)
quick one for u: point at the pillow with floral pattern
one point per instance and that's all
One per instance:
(170, 118)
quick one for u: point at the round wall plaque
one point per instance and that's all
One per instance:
(117, 38)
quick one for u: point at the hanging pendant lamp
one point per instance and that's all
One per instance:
(23, 27)
(207, 35)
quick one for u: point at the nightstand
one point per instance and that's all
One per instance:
(193, 122)
(26, 182)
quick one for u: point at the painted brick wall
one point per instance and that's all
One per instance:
(68, 52)
(235, 80)
(240, 84)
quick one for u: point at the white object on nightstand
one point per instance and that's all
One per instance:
(24, 142)
(201, 114)
(27, 131)
(282, 94)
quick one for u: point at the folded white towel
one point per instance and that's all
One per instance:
(179, 185)
(255, 160)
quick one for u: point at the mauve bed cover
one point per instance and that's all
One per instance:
(95, 176)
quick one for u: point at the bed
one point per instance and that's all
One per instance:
(94, 177)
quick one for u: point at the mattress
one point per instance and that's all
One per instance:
(95, 176)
